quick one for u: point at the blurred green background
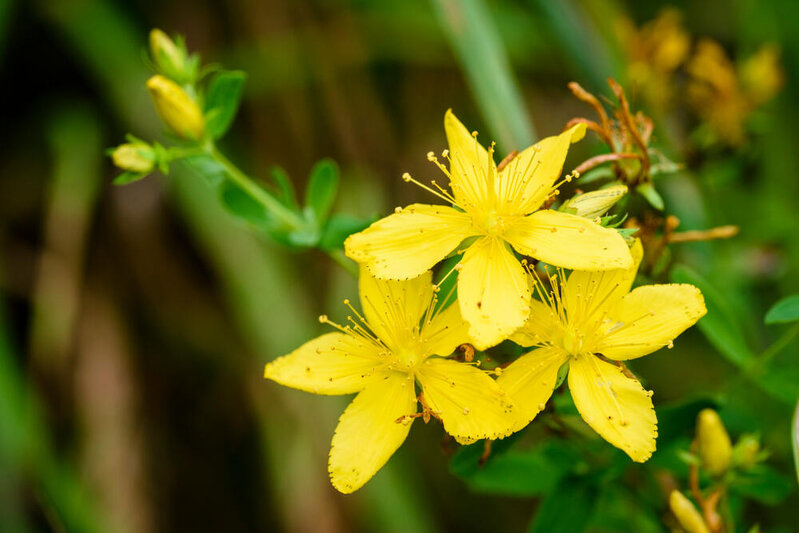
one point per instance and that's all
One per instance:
(136, 320)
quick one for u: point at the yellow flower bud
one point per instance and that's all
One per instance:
(167, 56)
(596, 203)
(715, 448)
(176, 108)
(686, 513)
(134, 157)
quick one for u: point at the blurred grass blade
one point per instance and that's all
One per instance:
(477, 45)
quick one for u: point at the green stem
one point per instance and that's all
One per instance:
(759, 363)
(258, 193)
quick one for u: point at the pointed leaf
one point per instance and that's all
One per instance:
(322, 188)
(647, 190)
(222, 101)
(784, 311)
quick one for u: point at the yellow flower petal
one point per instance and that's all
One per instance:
(528, 179)
(406, 244)
(542, 326)
(445, 332)
(471, 404)
(393, 309)
(649, 318)
(530, 380)
(493, 292)
(568, 241)
(368, 432)
(591, 293)
(334, 363)
(614, 405)
(472, 169)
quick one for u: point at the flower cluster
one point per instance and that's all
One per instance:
(512, 250)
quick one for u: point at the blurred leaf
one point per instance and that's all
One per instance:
(510, 472)
(222, 101)
(718, 325)
(322, 189)
(786, 310)
(763, 483)
(242, 205)
(795, 440)
(568, 507)
(207, 167)
(128, 177)
(285, 187)
(596, 174)
(338, 228)
(648, 191)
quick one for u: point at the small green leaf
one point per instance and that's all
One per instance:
(568, 507)
(648, 191)
(784, 311)
(338, 228)
(718, 325)
(596, 174)
(129, 177)
(285, 188)
(322, 188)
(207, 167)
(222, 101)
(764, 484)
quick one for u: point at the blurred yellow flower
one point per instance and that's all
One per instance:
(381, 355)
(166, 54)
(176, 108)
(724, 96)
(501, 208)
(591, 321)
(655, 51)
(686, 513)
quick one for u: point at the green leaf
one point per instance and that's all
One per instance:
(222, 101)
(650, 194)
(679, 419)
(207, 167)
(784, 311)
(129, 177)
(242, 205)
(568, 507)
(338, 228)
(466, 461)
(596, 174)
(322, 188)
(763, 484)
(285, 188)
(718, 325)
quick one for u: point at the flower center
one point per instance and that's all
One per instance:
(492, 224)
(573, 341)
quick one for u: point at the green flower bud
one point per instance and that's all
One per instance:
(176, 108)
(686, 513)
(747, 452)
(714, 446)
(134, 157)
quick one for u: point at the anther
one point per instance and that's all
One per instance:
(406, 177)
(322, 319)
(431, 156)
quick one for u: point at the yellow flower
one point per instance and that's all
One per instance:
(501, 209)
(592, 321)
(381, 355)
(176, 108)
